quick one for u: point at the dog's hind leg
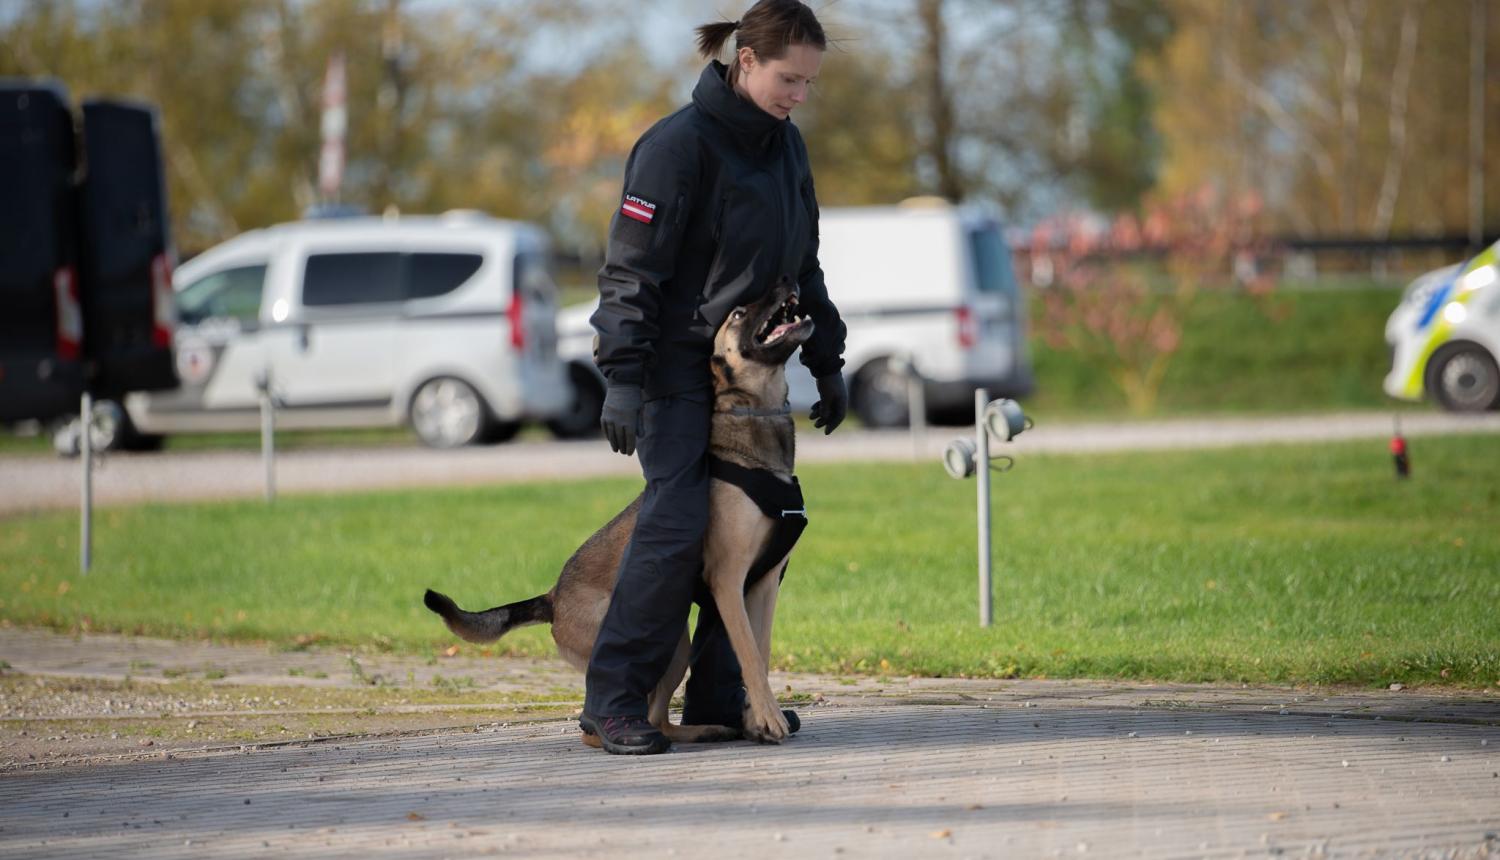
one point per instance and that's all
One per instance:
(661, 699)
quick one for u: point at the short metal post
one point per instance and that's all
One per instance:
(86, 454)
(268, 435)
(982, 472)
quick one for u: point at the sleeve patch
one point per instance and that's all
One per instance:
(638, 208)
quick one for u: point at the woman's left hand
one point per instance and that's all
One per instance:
(833, 402)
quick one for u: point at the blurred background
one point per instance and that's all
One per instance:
(1350, 118)
(1167, 175)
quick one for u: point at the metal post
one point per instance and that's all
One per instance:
(86, 454)
(982, 472)
(268, 436)
(916, 409)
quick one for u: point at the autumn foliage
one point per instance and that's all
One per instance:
(1118, 291)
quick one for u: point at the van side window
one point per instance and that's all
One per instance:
(351, 279)
(992, 267)
(230, 293)
(429, 275)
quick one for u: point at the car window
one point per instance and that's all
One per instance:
(351, 279)
(992, 268)
(233, 293)
(429, 275)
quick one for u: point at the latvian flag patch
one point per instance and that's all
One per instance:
(638, 208)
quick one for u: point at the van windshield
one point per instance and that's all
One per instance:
(992, 268)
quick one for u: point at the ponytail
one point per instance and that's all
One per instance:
(767, 28)
(711, 37)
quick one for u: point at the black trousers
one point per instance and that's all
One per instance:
(660, 576)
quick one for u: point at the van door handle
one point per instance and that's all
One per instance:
(304, 337)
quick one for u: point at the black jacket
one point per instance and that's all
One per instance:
(718, 203)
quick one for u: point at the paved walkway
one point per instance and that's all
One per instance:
(920, 767)
(31, 482)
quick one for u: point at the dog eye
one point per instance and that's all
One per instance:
(739, 315)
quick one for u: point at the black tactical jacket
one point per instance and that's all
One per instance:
(718, 203)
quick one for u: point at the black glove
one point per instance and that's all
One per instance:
(833, 402)
(621, 417)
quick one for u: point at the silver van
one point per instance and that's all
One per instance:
(443, 322)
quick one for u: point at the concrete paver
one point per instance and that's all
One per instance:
(883, 767)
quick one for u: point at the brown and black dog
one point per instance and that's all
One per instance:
(752, 429)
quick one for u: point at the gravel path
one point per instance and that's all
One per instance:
(33, 483)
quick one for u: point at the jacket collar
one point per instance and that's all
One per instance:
(745, 121)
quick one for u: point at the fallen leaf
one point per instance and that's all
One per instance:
(1276, 816)
(941, 834)
(415, 816)
(452, 651)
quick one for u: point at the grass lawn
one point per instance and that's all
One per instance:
(1282, 564)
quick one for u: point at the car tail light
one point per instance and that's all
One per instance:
(69, 313)
(163, 311)
(513, 313)
(968, 333)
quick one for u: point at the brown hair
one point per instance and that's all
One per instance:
(768, 29)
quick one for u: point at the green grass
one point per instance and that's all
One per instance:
(1282, 564)
(1296, 350)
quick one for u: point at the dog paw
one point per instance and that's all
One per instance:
(767, 728)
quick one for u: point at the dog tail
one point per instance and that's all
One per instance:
(491, 624)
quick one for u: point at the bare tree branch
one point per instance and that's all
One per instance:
(1280, 117)
(1349, 20)
(1395, 157)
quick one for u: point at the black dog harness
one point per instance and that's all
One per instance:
(777, 499)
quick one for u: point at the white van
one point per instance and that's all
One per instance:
(1445, 336)
(445, 322)
(923, 285)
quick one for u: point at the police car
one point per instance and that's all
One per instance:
(1445, 336)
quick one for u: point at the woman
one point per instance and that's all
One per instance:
(718, 203)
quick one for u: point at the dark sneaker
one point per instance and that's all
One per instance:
(625, 735)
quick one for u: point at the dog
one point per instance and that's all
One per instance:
(752, 432)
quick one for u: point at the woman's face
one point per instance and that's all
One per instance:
(777, 86)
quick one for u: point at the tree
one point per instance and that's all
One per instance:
(1317, 106)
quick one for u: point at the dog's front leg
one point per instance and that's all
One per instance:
(760, 604)
(763, 719)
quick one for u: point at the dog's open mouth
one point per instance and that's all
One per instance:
(782, 321)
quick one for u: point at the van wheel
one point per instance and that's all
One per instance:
(880, 398)
(449, 413)
(1464, 378)
(581, 421)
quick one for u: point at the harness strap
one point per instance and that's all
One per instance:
(748, 412)
(777, 499)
